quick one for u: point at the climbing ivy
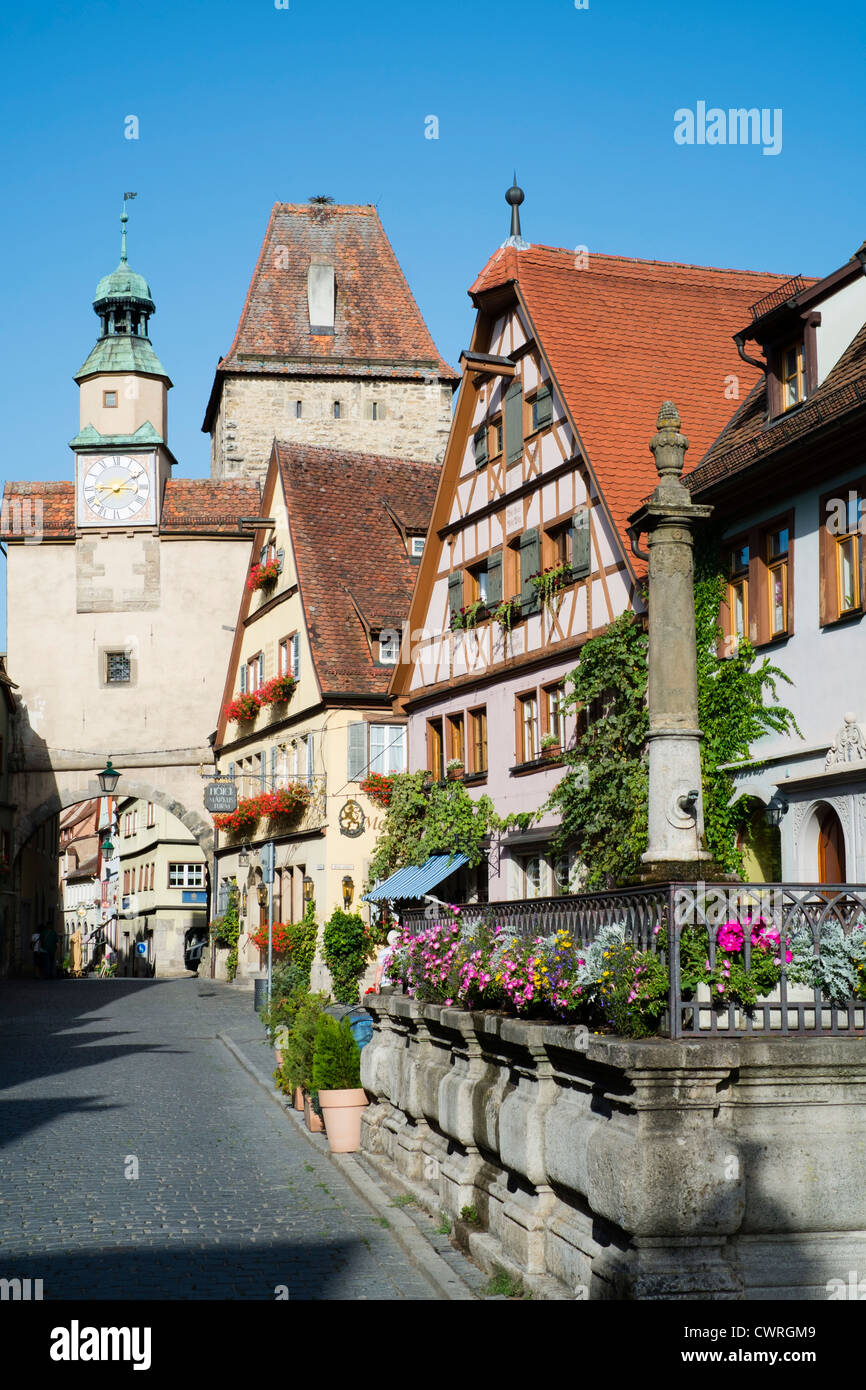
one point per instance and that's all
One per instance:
(602, 799)
(425, 818)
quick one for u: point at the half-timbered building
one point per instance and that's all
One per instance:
(528, 554)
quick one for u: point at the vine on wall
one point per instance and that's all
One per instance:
(602, 799)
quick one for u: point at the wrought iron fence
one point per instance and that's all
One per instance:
(676, 921)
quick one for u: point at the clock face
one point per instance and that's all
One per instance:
(117, 487)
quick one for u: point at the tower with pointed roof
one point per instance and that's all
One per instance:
(331, 349)
(121, 451)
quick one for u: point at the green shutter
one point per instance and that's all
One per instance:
(514, 423)
(494, 578)
(357, 743)
(455, 592)
(543, 406)
(580, 551)
(530, 563)
(481, 446)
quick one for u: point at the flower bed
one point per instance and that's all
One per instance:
(610, 983)
(262, 576)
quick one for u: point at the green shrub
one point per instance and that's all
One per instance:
(297, 1069)
(336, 1056)
(346, 947)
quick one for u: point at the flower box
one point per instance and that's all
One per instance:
(549, 582)
(378, 787)
(507, 613)
(243, 707)
(247, 815)
(470, 616)
(263, 576)
(277, 690)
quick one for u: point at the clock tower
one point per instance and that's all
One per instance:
(121, 457)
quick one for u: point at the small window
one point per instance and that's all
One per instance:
(738, 593)
(793, 374)
(377, 410)
(416, 547)
(109, 400)
(186, 875)
(389, 647)
(299, 409)
(338, 409)
(478, 735)
(118, 668)
(151, 814)
(528, 728)
(533, 876)
(456, 749)
(494, 438)
(777, 564)
(553, 717)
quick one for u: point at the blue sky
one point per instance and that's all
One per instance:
(241, 104)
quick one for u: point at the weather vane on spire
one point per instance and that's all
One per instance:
(127, 197)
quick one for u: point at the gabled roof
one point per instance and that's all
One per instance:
(749, 438)
(378, 328)
(351, 561)
(623, 335)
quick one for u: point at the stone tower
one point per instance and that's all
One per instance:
(331, 349)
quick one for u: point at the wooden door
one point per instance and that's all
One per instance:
(831, 849)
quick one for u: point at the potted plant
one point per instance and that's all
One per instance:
(551, 748)
(470, 616)
(277, 691)
(298, 1056)
(337, 1082)
(454, 769)
(378, 787)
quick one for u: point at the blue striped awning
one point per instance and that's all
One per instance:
(417, 880)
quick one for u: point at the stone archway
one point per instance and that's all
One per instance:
(195, 824)
(824, 852)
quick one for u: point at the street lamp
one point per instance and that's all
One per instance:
(108, 778)
(348, 891)
(309, 888)
(107, 847)
(776, 809)
(244, 857)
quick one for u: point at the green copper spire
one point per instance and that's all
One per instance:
(124, 304)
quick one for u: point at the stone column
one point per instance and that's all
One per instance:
(676, 822)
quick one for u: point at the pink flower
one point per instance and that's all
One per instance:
(720, 988)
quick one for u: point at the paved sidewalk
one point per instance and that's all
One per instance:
(230, 1201)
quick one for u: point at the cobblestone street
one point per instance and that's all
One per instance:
(230, 1200)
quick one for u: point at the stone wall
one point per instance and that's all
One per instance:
(606, 1168)
(254, 410)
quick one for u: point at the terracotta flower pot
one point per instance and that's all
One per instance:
(342, 1111)
(298, 1098)
(313, 1121)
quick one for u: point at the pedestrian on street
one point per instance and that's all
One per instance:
(36, 947)
(48, 938)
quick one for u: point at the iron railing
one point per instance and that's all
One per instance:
(657, 916)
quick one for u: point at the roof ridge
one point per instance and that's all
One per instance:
(609, 258)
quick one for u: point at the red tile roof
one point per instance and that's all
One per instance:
(31, 507)
(623, 335)
(349, 553)
(748, 437)
(207, 506)
(379, 331)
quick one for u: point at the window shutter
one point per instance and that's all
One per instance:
(273, 766)
(357, 751)
(455, 592)
(263, 773)
(243, 679)
(544, 406)
(514, 423)
(481, 454)
(530, 563)
(261, 669)
(311, 751)
(296, 655)
(580, 549)
(494, 578)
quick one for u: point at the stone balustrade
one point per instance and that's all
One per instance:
(603, 1167)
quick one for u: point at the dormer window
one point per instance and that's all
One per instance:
(792, 374)
(321, 297)
(416, 547)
